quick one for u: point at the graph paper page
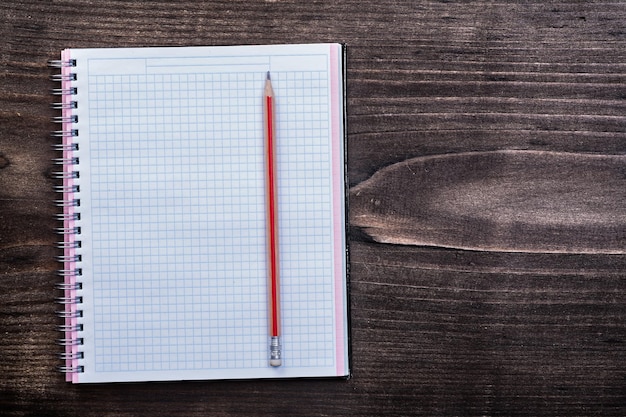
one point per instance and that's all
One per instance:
(172, 205)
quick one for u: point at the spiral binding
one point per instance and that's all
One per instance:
(69, 216)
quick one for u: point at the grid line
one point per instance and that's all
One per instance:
(178, 222)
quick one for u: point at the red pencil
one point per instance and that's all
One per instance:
(271, 203)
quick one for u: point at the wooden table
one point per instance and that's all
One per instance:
(487, 166)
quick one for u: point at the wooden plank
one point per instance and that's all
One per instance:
(511, 201)
(521, 102)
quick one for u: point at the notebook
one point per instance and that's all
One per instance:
(161, 184)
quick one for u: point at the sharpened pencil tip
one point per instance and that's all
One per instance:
(268, 76)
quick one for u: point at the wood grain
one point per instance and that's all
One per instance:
(512, 201)
(523, 103)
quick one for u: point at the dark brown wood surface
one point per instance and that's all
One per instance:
(487, 166)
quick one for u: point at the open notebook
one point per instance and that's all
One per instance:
(164, 252)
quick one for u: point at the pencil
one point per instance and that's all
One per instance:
(271, 205)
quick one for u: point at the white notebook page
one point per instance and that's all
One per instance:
(173, 216)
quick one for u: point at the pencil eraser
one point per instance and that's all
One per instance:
(276, 362)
